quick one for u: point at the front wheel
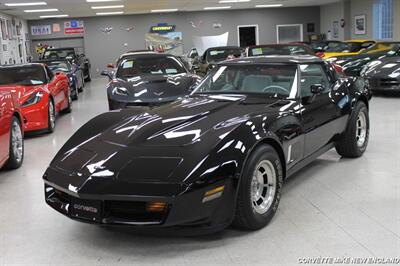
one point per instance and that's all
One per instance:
(16, 151)
(259, 189)
(69, 106)
(354, 140)
(51, 117)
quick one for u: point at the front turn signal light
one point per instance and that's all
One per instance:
(156, 206)
(214, 193)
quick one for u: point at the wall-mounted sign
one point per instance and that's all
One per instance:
(56, 27)
(41, 30)
(74, 27)
(162, 28)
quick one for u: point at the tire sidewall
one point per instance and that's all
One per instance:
(360, 107)
(50, 127)
(12, 161)
(256, 220)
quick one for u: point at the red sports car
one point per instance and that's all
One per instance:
(11, 132)
(41, 94)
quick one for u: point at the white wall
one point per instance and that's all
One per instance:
(329, 14)
(9, 48)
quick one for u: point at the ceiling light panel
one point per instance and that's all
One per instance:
(164, 10)
(216, 7)
(41, 10)
(110, 13)
(27, 4)
(108, 7)
(55, 16)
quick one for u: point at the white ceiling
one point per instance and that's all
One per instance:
(80, 8)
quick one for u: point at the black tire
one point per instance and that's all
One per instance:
(89, 76)
(51, 121)
(75, 96)
(69, 106)
(350, 145)
(247, 216)
(83, 82)
(15, 158)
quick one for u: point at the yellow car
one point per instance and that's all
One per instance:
(352, 47)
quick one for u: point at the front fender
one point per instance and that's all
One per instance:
(95, 127)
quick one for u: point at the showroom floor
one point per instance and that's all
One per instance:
(332, 208)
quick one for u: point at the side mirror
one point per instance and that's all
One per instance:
(110, 65)
(317, 89)
(107, 74)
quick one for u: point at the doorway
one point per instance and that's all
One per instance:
(247, 35)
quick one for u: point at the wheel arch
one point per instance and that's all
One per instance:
(277, 147)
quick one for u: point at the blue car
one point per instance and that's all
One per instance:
(74, 73)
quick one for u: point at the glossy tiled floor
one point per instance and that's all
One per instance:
(334, 208)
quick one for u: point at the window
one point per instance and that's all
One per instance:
(383, 19)
(312, 75)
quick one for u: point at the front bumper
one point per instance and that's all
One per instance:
(385, 84)
(185, 209)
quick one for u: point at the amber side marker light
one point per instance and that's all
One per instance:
(156, 206)
(214, 193)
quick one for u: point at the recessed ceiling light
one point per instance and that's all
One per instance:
(54, 16)
(101, 1)
(41, 10)
(164, 10)
(109, 13)
(27, 4)
(107, 7)
(265, 6)
(216, 7)
(233, 1)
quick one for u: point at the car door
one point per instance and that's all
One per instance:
(4, 128)
(320, 112)
(55, 88)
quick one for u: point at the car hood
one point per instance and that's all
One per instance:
(164, 136)
(22, 92)
(386, 68)
(145, 87)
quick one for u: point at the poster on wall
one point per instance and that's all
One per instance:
(360, 25)
(3, 29)
(40, 30)
(74, 27)
(171, 42)
(336, 29)
(56, 27)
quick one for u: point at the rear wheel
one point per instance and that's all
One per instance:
(260, 189)
(89, 76)
(51, 116)
(75, 96)
(354, 140)
(16, 152)
(69, 106)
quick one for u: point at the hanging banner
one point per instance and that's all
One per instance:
(74, 27)
(40, 30)
(170, 43)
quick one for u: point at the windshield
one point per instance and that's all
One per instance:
(218, 55)
(347, 47)
(132, 67)
(23, 75)
(280, 50)
(381, 48)
(59, 54)
(58, 66)
(273, 80)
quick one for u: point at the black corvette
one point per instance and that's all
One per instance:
(383, 74)
(148, 79)
(215, 157)
(353, 65)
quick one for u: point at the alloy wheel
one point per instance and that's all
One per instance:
(17, 142)
(263, 187)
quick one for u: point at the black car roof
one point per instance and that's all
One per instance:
(22, 65)
(63, 48)
(225, 47)
(275, 59)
